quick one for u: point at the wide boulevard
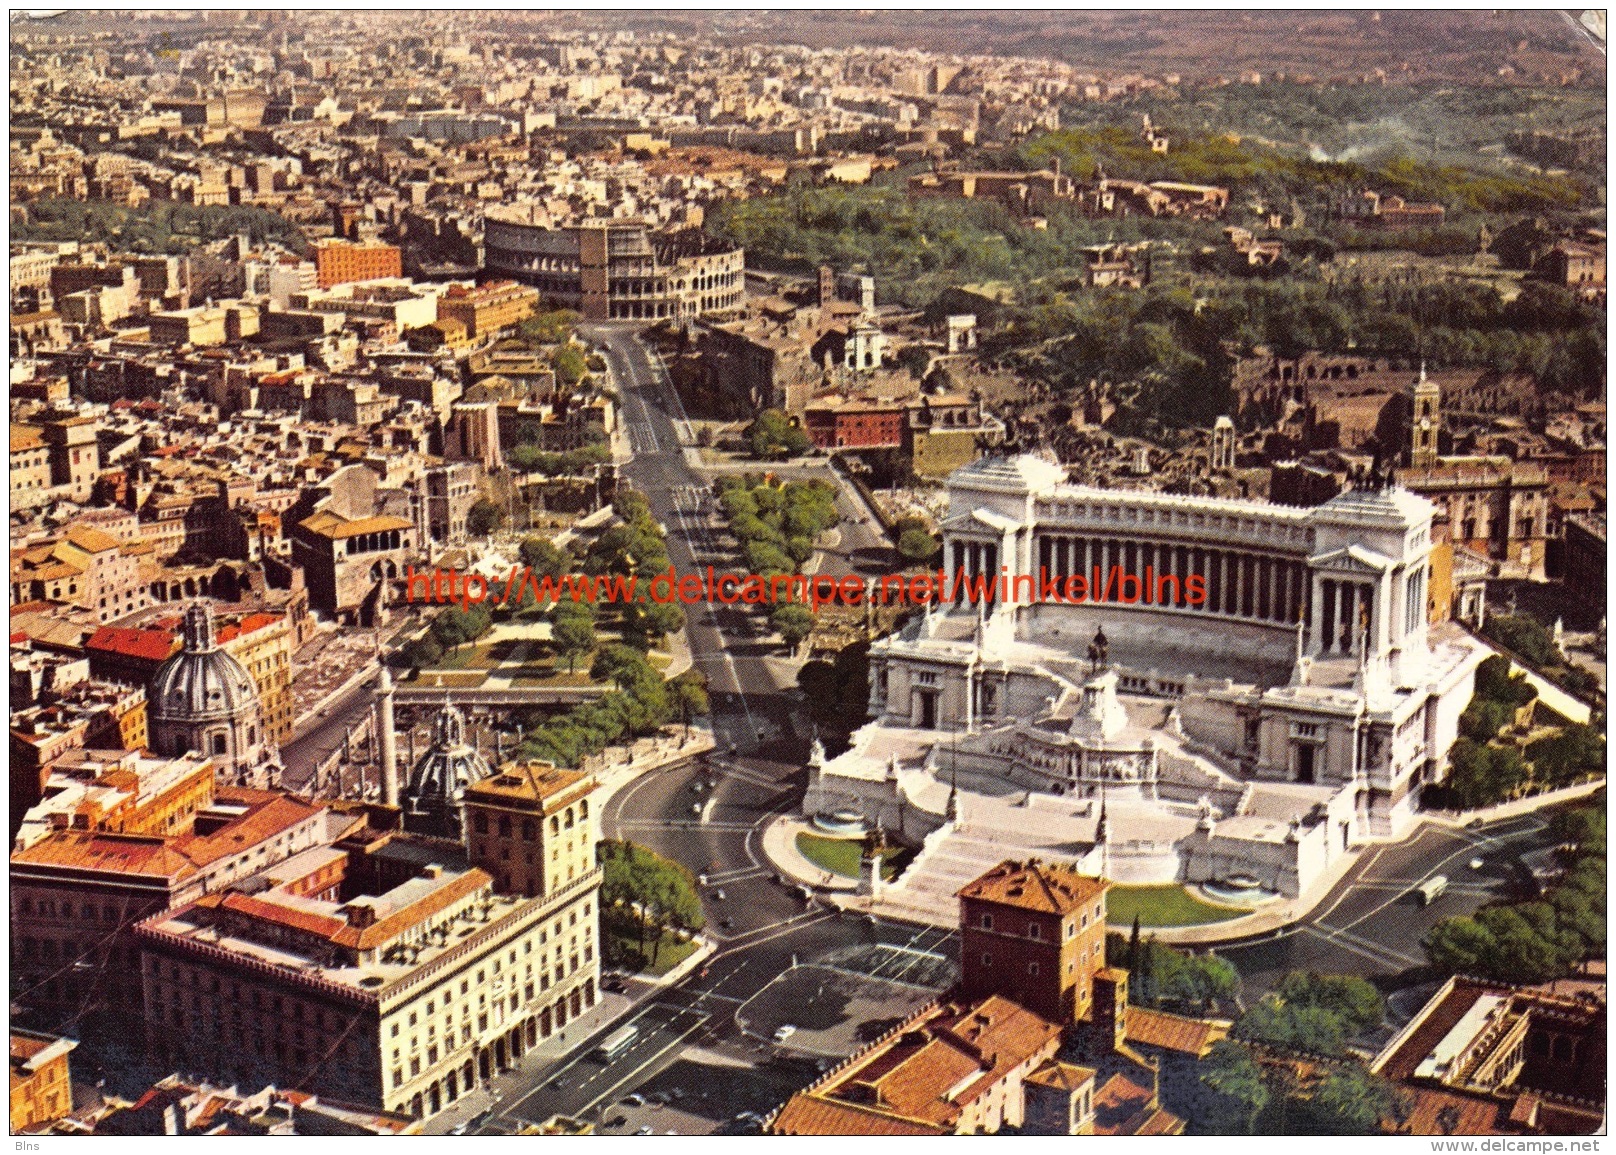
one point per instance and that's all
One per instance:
(705, 1055)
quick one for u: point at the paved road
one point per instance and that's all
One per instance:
(695, 1047)
(1371, 924)
(709, 815)
(704, 1044)
(314, 742)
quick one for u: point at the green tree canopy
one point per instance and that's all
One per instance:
(484, 518)
(774, 437)
(1239, 1092)
(793, 623)
(655, 892)
(573, 631)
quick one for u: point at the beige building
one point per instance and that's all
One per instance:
(85, 568)
(75, 456)
(440, 971)
(263, 643)
(41, 1085)
(489, 307)
(347, 548)
(30, 464)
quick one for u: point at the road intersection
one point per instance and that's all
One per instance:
(706, 1045)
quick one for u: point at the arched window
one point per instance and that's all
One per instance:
(504, 825)
(569, 818)
(528, 833)
(218, 743)
(479, 822)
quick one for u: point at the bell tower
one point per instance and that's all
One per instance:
(1425, 422)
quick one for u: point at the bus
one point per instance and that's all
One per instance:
(1431, 889)
(616, 1043)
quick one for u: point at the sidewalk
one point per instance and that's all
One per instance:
(1518, 807)
(507, 1088)
(619, 767)
(514, 1084)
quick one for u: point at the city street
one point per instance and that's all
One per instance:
(705, 1053)
(1371, 923)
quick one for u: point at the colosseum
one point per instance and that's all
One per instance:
(614, 270)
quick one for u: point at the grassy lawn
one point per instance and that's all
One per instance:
(843, 855)
(462, 681)
(529, 677)
(465, 658)
(1168, 904)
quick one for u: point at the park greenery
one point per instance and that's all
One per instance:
(917, 249)
(1166, 353)
(1313, 1012)
(1165, 978)
(1253, 168)
(1265, 1094)
(549, 328)
(1164, 905)
(773, 436)
(776, 523)
(570, 365)
(645, 900)
(484, 517)
(529, 458)
(846, 856)
(154, 227)
(450, 629)
(1535, 645)
(1542, 939)
(1488, 766)
(917, 542)
(641, 701)
(837, 692)
(1370, 124)
(1258, 1088)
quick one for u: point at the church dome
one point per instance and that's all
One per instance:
(201, 682)
(448, 767)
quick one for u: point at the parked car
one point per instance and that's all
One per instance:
(646, 1131)
(784, 1033)
(634, 1100)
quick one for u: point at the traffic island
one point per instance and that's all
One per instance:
(781, 847)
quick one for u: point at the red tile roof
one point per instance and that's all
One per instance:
(1036, 886)
(152, 645)
(1152, 1028)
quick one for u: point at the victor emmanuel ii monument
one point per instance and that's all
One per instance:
(1248, 741)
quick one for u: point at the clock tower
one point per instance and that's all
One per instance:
(1425, 423)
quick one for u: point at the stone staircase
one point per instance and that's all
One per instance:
(990, 831)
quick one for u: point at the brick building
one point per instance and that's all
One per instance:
(992, 1053)
(339, 262)
(855, 423)
(1035, 933)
